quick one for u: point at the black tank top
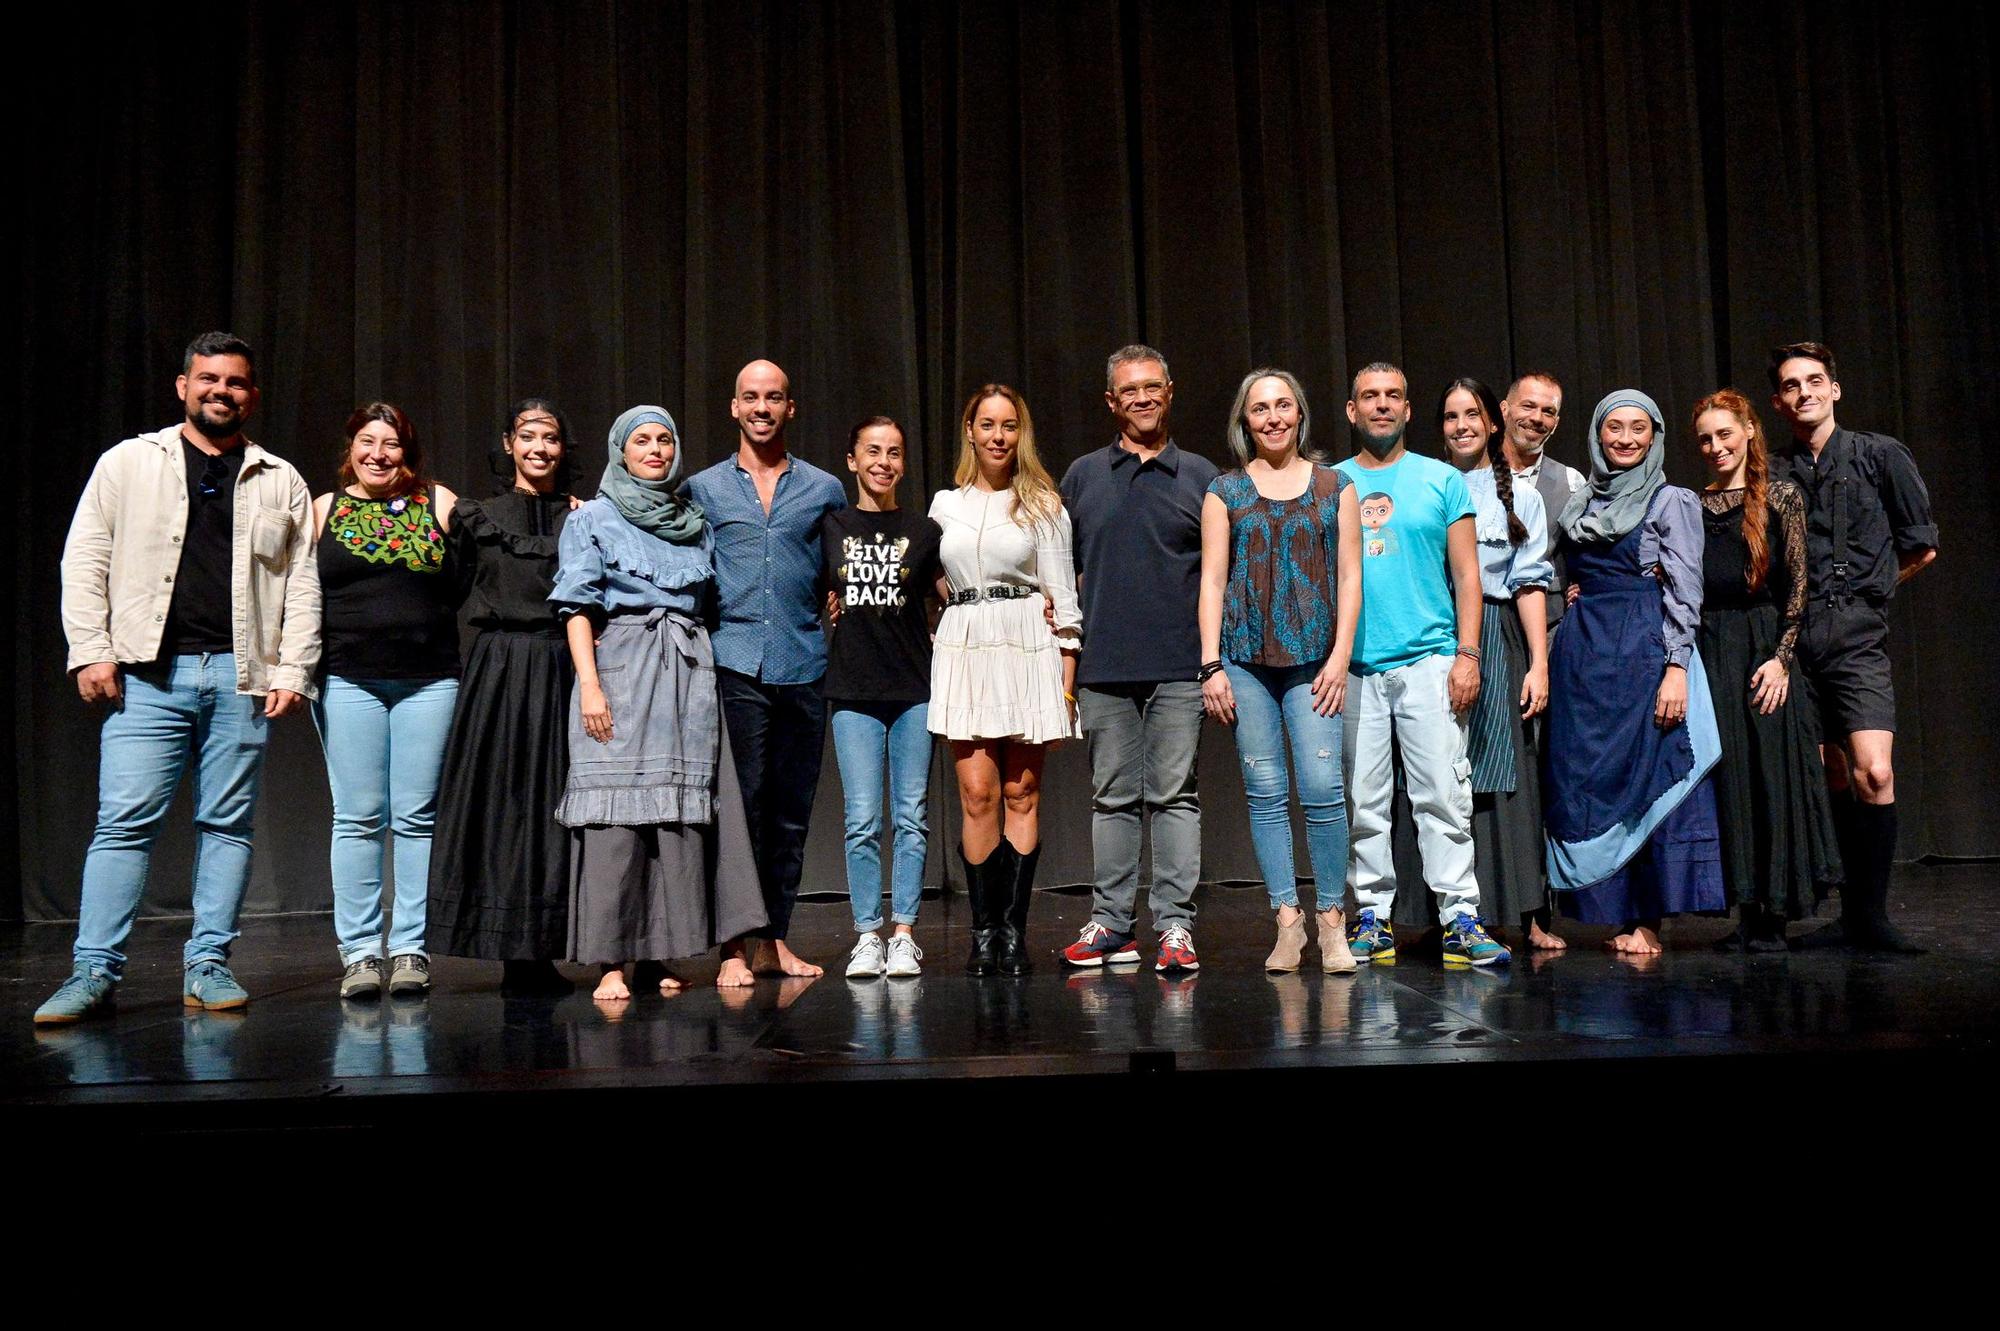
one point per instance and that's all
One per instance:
(389, 588)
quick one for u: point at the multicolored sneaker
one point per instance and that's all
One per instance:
(1176, 950)
(208, 984)
(88, 992)
(1466, 943)
(1096, 945)
(1368, 940)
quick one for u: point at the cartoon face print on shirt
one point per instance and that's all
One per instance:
(1378, 538)
(873, 570)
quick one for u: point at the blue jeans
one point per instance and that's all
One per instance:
(189, 709)
(861, 734)
(1272, 701)
(384, 741)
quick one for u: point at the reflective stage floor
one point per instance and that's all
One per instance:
(1567, 1025)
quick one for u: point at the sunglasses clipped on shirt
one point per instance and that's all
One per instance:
(214, 475)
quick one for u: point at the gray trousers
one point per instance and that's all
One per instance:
(1143, 740)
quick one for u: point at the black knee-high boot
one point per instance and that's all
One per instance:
(987, 903)
(1014, 926)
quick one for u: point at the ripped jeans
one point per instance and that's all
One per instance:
(1273, 702)
(1409, 707)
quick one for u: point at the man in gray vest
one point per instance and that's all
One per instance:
(1531, 413)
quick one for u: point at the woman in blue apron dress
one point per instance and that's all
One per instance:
(1631, 732)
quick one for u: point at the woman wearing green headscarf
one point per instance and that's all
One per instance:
(661, 865)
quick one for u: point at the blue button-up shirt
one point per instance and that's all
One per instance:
(767, 568)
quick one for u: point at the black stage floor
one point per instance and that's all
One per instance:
(1569, 1026)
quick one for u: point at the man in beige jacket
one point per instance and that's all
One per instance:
(190, 598)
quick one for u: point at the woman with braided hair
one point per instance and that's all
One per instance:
(1779, 852)
(1511, 526)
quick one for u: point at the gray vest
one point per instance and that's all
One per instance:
(1549, 484)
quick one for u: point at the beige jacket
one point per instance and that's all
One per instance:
(124, 550)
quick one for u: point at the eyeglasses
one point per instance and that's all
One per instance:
(1133, 392)
(214, 476)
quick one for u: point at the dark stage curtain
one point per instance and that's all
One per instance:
(453, 205)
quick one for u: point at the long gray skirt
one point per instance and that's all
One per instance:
(660, 862)
(1507, 846)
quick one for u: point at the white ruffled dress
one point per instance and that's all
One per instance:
(996, 669)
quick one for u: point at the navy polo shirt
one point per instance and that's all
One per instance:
(1137, 530)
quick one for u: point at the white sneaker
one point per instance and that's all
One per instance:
(865, 961)
(904, 954)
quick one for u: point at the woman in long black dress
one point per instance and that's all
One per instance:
(1779, 853)
(499, 885)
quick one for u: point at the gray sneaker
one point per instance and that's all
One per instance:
(362, 980)
(904, 954)
(88, 992)
(208, 984)
(865, 961)
(409, 973)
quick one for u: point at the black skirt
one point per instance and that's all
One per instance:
(1778, 847)
(499, 861)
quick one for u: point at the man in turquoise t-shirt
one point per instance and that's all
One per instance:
(1415, 674)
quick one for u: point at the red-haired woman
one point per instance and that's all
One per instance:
(390, 629)
(1778, 846)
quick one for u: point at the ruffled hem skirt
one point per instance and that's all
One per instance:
(996, 673)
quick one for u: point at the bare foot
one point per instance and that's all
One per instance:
(735, 974)
(611, 987)
(773, 957)
(1640, 940)
(671, 984)
(1541, 940)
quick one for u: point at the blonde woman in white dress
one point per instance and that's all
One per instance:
(1003, 684)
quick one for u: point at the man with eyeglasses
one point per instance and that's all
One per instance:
(1135, 509)
(190, 598)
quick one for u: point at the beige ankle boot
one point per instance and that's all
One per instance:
(1334, 958)
(1290, 948)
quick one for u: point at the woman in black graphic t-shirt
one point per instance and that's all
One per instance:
(881, 565)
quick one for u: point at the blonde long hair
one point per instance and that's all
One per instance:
(1035, 496)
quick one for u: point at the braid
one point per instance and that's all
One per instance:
(1503, 486)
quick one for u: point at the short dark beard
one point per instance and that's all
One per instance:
(1382, 447)
(210, 431)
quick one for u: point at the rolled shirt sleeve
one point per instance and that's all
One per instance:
(1672, 541)
(1531, 569)
(1906, 500)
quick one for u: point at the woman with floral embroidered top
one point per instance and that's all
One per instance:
(1280, 598)
(1511, 526)
(390, 627)
(499, 860)
(1003, 679)
(1779, 852)
(661, 865)
(1631, 736)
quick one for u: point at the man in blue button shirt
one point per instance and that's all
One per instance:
(765, 506)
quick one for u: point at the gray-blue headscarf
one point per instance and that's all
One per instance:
(651, 506)
(1626, 494)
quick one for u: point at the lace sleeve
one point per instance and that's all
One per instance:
(1789, 503)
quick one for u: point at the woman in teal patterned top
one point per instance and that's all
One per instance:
(1280, 596)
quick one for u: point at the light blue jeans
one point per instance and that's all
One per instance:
(1271, 703)
(191, 711)
(862, 734)
(384, 742)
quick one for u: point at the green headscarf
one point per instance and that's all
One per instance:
(651, 506)
(1626, 494)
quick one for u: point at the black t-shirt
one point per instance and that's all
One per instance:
(201, 616)
(881, 565)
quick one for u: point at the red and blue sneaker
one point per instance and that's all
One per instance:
(1098, 946)
(1177, 950)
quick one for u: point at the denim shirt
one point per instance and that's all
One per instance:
(767, 568)
(607, 564)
